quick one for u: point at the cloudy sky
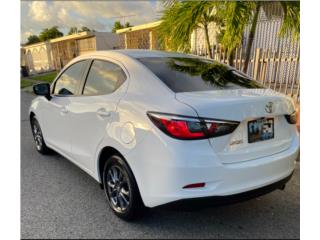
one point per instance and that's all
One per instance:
(99, 15)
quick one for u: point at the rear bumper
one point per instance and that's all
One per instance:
(230, 199)
(163, 167)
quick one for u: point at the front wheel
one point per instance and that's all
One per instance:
(121, 189)
(38, 137)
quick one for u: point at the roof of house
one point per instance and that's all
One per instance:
(72, 36)
(34, 45)
(139, 27)
(59, 39)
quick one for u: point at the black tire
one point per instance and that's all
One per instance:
(41, 146)
(124, 197)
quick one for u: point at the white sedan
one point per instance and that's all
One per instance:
(156, 127)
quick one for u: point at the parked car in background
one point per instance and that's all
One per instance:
(155, 127)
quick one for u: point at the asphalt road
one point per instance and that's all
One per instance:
(58, 200)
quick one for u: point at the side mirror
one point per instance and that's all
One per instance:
(42, 89)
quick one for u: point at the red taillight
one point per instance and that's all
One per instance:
(190, 128)
(195, 185)
(180, 129)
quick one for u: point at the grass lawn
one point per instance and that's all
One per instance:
(31, 80)
(25, 83)
(47, 77)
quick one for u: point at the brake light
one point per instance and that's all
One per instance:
(292, 118)
(183, 129)
(191, 128)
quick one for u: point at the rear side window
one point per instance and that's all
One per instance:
(69, 81)
(103, 78)
(194, 74)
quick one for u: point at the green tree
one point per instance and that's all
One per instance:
(127, 25)
(50, 33)
(239, 14)
(85, 29)
(116, 26)
(73, 30)
(180, 19)
(291, 19)
(33, 39)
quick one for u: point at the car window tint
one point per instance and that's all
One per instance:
(69, 81)
(103, 78)
(195, 74)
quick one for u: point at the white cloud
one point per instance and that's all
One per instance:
(94, 14)
(38, 11)
(26, 34)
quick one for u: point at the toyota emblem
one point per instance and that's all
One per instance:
(269, 107)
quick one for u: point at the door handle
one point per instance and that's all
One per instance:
(102, 112)
(64, 110)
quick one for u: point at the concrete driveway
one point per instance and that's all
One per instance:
(58, 200)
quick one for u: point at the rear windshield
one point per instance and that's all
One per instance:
(194, 74)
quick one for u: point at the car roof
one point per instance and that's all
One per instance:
(141, 53)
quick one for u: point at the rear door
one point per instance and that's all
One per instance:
(95, 110)
(58, 125)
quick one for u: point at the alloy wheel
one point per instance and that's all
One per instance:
(118, 189)
(37, 135)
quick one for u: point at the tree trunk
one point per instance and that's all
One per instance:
(207, 39)
(231, 58)
(251, 37)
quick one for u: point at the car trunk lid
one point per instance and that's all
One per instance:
(243, 105)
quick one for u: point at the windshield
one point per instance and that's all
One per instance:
(194, 74)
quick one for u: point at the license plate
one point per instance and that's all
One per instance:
(260, 130)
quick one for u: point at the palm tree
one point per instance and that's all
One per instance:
(240, 14)
(291, 19)
(180, 19)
